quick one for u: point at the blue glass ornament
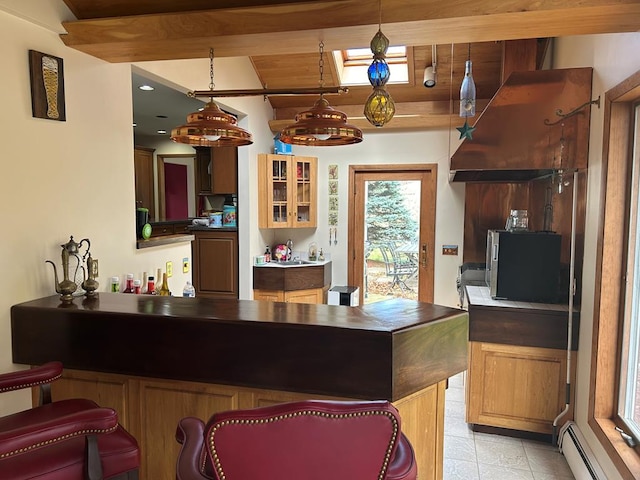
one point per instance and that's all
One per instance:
(378, 72)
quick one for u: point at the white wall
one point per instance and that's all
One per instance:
(614, 58)
(76, 177)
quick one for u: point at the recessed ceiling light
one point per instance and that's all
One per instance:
(146, 88)
(162, 132)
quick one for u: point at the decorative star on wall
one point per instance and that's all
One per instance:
(466, 131)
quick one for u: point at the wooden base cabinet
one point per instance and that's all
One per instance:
(215, 264)
(312, 295)
(516, 387)
(150, 410)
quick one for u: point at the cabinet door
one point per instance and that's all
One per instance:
(203, 171)
(224, 170)
(143, 168)
(313, 295)
(215, 258)
(515, 387)
(303, 192)
(273, 191)
(269, 295)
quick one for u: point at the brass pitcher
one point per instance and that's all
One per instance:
(67, 287)
(89, 283)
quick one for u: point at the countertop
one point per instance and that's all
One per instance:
(388, 349)
(480, 296)
(529, 324)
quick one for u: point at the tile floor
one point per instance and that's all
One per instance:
(480, 456)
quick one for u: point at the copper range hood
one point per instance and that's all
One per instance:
(512, 142)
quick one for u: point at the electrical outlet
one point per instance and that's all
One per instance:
(185, 265)
(450, 249)
(169, 269)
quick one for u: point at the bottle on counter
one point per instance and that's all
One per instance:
(267, 255)
(159, 281)
(189, 290)
(151, 286)
(115, 284)
(164, 288)
(143, 284)
(128, 287)
(137, 286)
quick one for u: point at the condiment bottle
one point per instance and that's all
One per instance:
(151, 286)
(128, 288)
(164, 289)
(115, 284)
(137, 286)
(267, 254)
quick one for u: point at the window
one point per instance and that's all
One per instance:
(614, 396)
(352, 65)
(629, 389)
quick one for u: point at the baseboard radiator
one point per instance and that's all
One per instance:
(578, 454)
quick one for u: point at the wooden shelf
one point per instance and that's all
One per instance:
(164, 240)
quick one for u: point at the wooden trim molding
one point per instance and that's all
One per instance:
(608, 303)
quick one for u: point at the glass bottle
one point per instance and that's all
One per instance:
(468, 93)
(159, 281)
(128, 287)
(188, 290)
(164, 289)
(151, 285)
(137, 286)
(267, 254)
(115, 284)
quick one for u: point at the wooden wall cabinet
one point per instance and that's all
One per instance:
(144, 184)
(215, 264)
(516, 387)
(287, 191)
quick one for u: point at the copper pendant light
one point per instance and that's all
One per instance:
(211, 127)
(321, 125)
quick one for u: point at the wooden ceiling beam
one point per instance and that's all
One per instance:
(409, 116)
(298, 27)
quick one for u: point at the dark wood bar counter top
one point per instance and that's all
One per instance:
(383, 350)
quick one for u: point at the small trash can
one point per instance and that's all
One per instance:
(344, 295)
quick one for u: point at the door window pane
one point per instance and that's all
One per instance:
(392, 231)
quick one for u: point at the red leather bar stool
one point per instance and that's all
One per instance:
(71, 439)
(310, 440)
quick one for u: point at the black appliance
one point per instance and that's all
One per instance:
(523, 265)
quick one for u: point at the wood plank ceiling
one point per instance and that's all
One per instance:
(282, 36)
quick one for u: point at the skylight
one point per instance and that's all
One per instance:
(352, 65)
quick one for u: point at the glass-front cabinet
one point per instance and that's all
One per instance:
(287, 189)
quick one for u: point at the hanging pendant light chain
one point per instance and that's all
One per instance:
(211, 84)
(321, 64)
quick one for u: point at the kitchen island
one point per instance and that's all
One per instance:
(158, 359)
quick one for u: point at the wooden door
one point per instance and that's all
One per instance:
(401, 257)
(143, 168)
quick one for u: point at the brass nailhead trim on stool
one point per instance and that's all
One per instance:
(334, 416)
(58, 439)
